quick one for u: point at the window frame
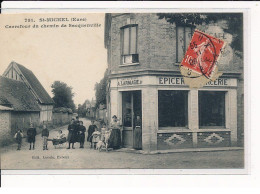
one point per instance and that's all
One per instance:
(122, 63)
(184, 35)
(170, 128)
(225, 111)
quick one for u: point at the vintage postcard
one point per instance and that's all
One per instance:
(115, 90)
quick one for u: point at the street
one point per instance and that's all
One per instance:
(62, 158)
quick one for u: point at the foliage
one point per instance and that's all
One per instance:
(62, 110)
(62, 95)
(100, 89)
(234, 23)
(82, 110)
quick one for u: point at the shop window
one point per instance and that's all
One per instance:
(211, 109)
(184, 35)
(173, 108)
(129, 44)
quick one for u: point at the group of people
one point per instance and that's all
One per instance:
(76, 133)
(31, 134)
(108, 136)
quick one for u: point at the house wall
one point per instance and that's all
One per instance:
(46, 113)
(13, 74)
(5, 127)
(61, 118)
(22, 120)
(159, 38)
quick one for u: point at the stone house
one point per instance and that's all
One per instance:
(23, 100)
(18, 108)
(20, 73)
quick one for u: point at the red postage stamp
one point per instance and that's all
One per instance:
(202, 54)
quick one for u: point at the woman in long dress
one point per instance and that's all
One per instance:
(115, 136)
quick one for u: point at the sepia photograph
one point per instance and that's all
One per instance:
(137, 90)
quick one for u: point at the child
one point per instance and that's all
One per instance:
(60, 139)
(19, 136)
(96, 137)
(60, 135)
(91, 130)
(31, 133)
(45, 135)
(103, 131)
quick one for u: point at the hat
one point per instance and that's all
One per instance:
(114, 117)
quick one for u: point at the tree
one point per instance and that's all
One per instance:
(234, 24)
(82, 110)
(63, 96)
(100, 89)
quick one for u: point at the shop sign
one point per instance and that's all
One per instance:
(180, 81)
(171, 81)
(129, 81)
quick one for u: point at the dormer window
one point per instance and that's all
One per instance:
(129, 55)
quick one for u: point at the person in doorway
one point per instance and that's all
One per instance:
(115, 136)
(138, 133)
(81, 134)
(18, 137)
(72, 134)
(31, 133)
(91, 130)
(45, 135)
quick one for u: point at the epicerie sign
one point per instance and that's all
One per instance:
(129, 81)
(180, 81)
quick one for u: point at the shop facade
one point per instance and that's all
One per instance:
(173, 115)
(145, 83)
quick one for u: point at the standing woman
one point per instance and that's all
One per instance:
(31, 133)
(115, 137)
(71, 135)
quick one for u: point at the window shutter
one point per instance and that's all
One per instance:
(180, 43)
(126, 41)
(133, 41)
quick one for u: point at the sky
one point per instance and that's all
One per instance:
(75, 56)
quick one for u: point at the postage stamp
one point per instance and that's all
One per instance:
(202, 56)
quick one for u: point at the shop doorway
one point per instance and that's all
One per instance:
(132, 119)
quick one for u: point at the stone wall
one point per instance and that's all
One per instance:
(5, 127)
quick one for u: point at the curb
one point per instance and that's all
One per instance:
(180, 150)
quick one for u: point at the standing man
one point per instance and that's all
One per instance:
(81, 134)
(31, 133)
(72, 133)
(77, 124)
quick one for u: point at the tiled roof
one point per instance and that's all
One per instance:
(36, 85)
(16, 95)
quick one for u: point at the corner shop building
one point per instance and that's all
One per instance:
(173, 115)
